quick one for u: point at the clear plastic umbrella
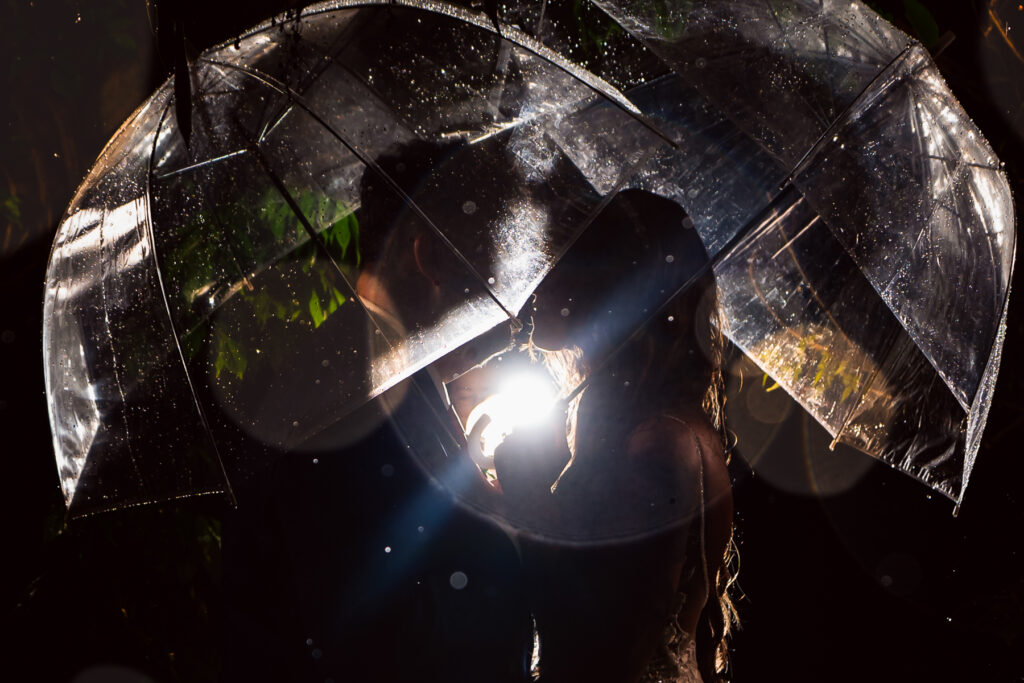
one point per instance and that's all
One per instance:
(859, 225)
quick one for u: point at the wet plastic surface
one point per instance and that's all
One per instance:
(860, 226)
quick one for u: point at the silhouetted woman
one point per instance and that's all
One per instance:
(626, 514)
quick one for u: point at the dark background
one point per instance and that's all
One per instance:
(850, 571)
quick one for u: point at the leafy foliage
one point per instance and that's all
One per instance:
(214, 263)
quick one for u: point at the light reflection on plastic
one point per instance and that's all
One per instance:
(522, 248)
(400, 359)
(99, 231)
(79, 406)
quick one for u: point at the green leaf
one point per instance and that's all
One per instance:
(229, 356)
(315, 312)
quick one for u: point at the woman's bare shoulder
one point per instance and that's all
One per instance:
(688, 436)
(689, 441)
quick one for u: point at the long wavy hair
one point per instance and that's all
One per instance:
(672, 362)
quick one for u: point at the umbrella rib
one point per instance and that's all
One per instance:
(483, 21)
(863, 395)
(871, 379)
(540, 20)
(340, 43)
(960, 162)
(315, 237)
(370, 163)
(228, 489)
(199, 164)
(803, 274)
(113, 366)
(778, 24)
(318, 241)
(842, 116)
(538, 48)
(795, 237)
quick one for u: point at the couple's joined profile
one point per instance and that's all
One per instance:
(394, 559)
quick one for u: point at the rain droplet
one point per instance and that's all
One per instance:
(671, 318)
(565, 312)
(458, 580)
(419, 529)
(387, 549)
(469, 207)
(309, 641)
(490, 280)
(325, 362)
(316, 461)
(387, 470)
(295, 423)
(670, 258)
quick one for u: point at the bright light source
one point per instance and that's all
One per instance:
(524, 400)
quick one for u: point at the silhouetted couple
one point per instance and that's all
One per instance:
(396, 558)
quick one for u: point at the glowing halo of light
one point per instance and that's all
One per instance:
(524, 400)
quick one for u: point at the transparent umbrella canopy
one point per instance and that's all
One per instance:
(859, 226)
